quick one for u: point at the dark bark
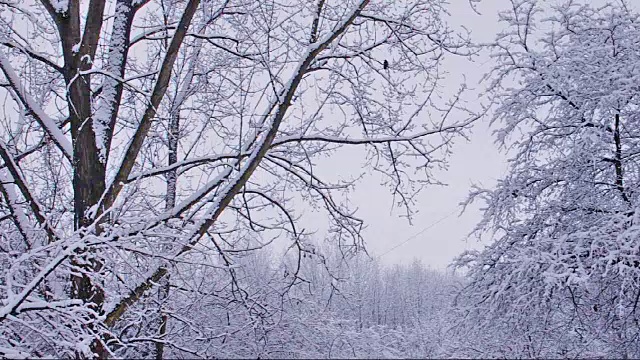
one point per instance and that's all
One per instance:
(170, 202)
(617, 161)
(157, 95)
(124, 46)
(89, 172)
(172, 175)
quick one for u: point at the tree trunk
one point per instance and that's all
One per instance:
(170, 202)
(89, 170)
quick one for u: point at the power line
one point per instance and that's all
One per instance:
(419, 233)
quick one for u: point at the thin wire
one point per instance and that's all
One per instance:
(419, 233)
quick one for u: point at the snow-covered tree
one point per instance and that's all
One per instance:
(561, 276)
(148, 145)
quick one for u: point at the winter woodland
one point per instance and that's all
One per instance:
(157, 157)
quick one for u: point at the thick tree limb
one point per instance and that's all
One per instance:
(47, 123)
(233, 187)
(159, 91)
(26, 193)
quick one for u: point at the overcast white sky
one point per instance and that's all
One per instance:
(434, 240)
(478, 161)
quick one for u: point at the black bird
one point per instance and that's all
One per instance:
(385, 65)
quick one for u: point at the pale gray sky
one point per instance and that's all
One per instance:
(477, 161)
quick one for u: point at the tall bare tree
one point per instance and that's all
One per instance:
(97, 96)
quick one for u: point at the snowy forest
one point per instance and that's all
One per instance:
(160, 159)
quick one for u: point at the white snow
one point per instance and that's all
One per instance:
(48, 123)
